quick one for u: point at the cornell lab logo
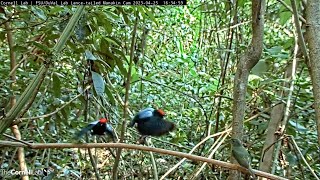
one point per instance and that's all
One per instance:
(29, 172)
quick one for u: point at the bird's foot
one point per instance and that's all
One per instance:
(142, 139)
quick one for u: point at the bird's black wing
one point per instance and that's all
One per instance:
(84, 131)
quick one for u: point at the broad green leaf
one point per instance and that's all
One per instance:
(115, 40)
(260, 68)
(119, 52)
(41, 46)
(253, 77)
(3, 16)
(18, 48)
(120, 65)
(284, 17)
(111, 40)
(56, 85)
(98, 83)
(110, 96)
(275, 50)
(65, 115)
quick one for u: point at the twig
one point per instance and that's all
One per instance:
(284, 122)
(211, 154)
(18, 140)
(54, 112)
(302, 43)
(194, 98)
(304, 160)
(290, 9)
(211, 136)
(94, 164)
(192, 150)
(154, 166)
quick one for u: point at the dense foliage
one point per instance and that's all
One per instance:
(180, 56)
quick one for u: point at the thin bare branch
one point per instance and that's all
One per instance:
(142, 148)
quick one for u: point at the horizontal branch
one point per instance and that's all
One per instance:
(138, 147)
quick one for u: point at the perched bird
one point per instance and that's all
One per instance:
(100, 127)
(151, 122)
(241, 155)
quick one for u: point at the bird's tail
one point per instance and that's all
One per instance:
(82, 132)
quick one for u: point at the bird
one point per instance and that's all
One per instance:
(100, 127)
(241, 155)
(151, 122)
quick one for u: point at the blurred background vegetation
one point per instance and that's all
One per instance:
(180, 56)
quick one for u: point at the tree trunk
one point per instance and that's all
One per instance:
(247, 61)
(313, 39)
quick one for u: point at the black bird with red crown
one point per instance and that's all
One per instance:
(151, 122)
(100, 127)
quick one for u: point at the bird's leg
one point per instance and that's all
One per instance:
(142, 139)
(108, 149)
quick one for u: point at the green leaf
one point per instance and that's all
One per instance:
(275, 50)
(56, 9)
(18, 48)
(98, 83)
(284, 17)
(110, 96)
(241, 3)
(65, 115)
(119, 52)
(41, 46)
(56, 85)
(39, 12)
(193, 72)
(260, 68)
(119, 64)
(112, 15)
(111, 40)
(104, 22)
(291, 159)
(149, 13)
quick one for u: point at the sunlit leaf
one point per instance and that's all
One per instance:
(298, 126)
(89, 55)
(39, 12)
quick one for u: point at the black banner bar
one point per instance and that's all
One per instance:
(93, 3)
